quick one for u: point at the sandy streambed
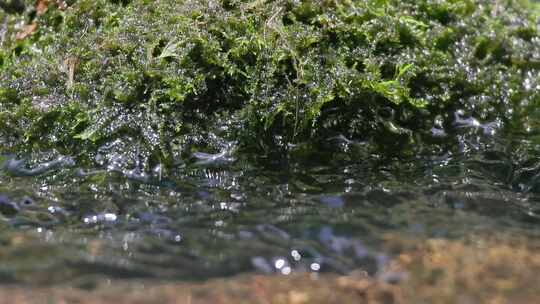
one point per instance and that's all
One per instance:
(480, 269)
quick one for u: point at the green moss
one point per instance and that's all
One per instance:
(180, 75)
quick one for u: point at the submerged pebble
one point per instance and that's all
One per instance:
(8, 207)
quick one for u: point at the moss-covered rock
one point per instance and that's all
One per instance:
(172, 76)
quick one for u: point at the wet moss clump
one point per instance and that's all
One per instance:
(163, 78)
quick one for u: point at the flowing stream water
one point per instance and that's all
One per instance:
(309, 210)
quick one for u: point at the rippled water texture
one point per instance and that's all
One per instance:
(324, 210)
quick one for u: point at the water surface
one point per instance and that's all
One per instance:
(304, 210)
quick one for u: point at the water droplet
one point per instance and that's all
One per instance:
(279, 263)
(286, 270)
(296, 255)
